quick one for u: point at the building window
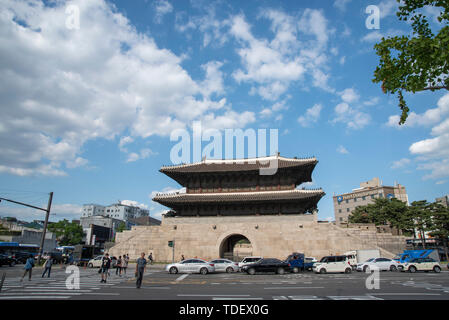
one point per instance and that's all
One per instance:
(380, 195)
(341, 219)
(363, 198)
(355, 199)
(372, 196)
(339, 210)
(347, 209)
(347, 200)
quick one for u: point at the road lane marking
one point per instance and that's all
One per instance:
(35, 297)
(182, 277)
(217, 298)
(214, 295)
(406, 294)
(280, 288)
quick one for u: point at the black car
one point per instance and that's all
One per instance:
(20, 256)
(7, 260)
(267, 265)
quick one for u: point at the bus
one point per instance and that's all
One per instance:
(19, 251)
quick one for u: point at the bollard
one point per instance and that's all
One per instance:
(3, 280)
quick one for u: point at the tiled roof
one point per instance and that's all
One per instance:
(237, 196)
(239, 164)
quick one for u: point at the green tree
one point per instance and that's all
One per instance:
(418, 61)
(121, 227)
(440, 225)
(421, 215)
(67, 233)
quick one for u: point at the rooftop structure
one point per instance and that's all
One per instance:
(242, 187)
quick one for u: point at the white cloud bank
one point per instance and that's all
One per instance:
(62, 87)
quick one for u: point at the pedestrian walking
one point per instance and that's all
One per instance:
(47, 266)
(150, 257)
(125, 262)
(29, 265)
(182, 257)
(118, 268)
(141, 264)
(104, 269)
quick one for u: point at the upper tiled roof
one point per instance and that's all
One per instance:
(239, 164)
(237, 196)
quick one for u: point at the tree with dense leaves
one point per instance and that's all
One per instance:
(418, 61)
(440, 225)
(121, 227)
(67, 233)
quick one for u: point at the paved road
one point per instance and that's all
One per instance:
(158, 285)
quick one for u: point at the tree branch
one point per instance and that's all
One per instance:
(436, 88)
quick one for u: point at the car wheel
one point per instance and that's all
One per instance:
(437, 269)
(280, 271)
(229, 270)
(90, 265)
(295, 270)
(365, 268)
(251, 271)
(393, 268)
(348, 270)
(173, 270)
(412, 269)
(203, 271)
(323, 271)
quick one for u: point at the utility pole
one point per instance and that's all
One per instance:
(41, 248)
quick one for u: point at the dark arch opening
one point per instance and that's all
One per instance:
(235, 247)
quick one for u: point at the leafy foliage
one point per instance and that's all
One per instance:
(67, 233)
(415, 62)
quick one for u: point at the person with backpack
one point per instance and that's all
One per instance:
(29, 265)
(104, 269)
(47, 266)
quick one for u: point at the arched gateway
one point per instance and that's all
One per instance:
(235, 247)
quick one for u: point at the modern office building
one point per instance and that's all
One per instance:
(344, 204)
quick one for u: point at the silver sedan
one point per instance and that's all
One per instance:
(191, 266)
(225, 265)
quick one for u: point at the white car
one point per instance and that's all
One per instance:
(310, 259)
(191, 266)
(333, 264)
(248, 260)
(95, 262)
(420, 264)
(225, 265)
(381, 264)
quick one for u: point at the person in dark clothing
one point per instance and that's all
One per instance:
(140, 269)
(104, 269)
(150, 257)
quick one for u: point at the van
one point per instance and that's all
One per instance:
(333, 264)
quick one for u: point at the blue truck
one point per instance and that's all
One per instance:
(408, 255)
(297, 262)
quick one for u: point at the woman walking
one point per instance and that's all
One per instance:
(28, 267)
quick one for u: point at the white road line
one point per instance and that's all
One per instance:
(182, 277)
(145, 287)
(36, 297)
(215, 298)
(213, 295)
(406, 294)
(280, 288)
(37, 293)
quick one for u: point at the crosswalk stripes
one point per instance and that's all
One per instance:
(55, 287)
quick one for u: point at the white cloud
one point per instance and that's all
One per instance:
(63, 87)
(311, 116)
(433, 153)
(342, 150)
(341, 4)
(400, 163)
(353, 117)
(134, 204)
(349, 95)
(162, 7)
(58, 212)
(143, 154)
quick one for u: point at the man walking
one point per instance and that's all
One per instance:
(104, 269)
(140, 269)
(28, 267)
(47, 266)
(118, 269)
(150, 257)
(125, 262)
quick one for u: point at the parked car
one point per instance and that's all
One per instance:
(191, 266)
(21, 256)
(297, 262)
(420, 264)
(7, 260)
(333, 264)
(248, 260)
(310, 259)
(382, 264)
(225, 265)
(267, 265)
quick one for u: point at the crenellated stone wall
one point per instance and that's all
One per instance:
(270, 236)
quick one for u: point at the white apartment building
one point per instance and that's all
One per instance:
(92, 209)
(116, 211)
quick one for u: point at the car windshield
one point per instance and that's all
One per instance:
(369, 260)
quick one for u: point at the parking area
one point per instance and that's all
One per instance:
(160, 285)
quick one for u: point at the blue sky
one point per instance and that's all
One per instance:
(88, 108)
